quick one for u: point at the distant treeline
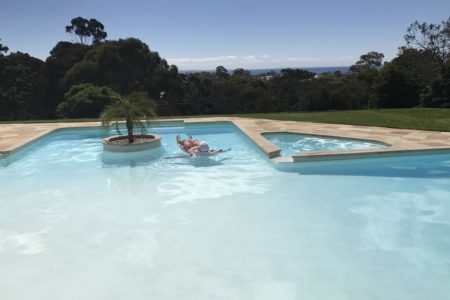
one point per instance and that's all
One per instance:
(253, 72)
(79, 79)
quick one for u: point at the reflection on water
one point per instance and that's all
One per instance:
(131, 158)
(421, 166)
(292, 143)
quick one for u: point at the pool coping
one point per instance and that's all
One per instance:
(14, 137)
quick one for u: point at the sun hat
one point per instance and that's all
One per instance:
(204, 147)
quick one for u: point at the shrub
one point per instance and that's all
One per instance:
(84, 101)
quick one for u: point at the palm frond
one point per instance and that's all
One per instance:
(137, 107)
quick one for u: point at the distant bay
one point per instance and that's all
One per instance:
(317, 70)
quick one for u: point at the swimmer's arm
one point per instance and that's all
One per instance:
(193, 150)
(215, 152)
(222, 151)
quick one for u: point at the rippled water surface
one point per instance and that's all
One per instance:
(78, 224)
(291, 143)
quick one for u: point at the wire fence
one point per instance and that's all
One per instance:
(228, 107)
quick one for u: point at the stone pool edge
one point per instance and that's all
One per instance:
(14, 137)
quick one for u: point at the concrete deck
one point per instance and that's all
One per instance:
(404, 141)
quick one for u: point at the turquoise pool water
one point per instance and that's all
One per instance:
(75, 224)
(292, 143)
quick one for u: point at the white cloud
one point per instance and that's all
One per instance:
(321, 59)
(210, 62)
(253, 61)
(300, 59)
(345, 57)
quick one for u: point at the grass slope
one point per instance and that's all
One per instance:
(417, 118)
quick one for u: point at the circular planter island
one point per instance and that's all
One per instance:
(119, 143)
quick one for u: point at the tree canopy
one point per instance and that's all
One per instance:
(370, 61)
(432, 38)
(3, 49)
(85, 101)
(87, 30)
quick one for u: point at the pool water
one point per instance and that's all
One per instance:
(292, 143)
(75, 224)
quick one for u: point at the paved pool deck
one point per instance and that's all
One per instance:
(399, 141)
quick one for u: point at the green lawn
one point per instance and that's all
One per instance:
(417, 118)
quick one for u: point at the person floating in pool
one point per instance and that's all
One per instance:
(186, 144)
(197, 148)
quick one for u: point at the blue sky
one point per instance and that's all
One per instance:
(201, 34)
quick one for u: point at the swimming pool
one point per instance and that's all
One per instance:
(75, 224)
(293, 143)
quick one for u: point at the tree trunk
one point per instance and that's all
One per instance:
(129, 124)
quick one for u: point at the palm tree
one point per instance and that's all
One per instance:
(136, 108)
